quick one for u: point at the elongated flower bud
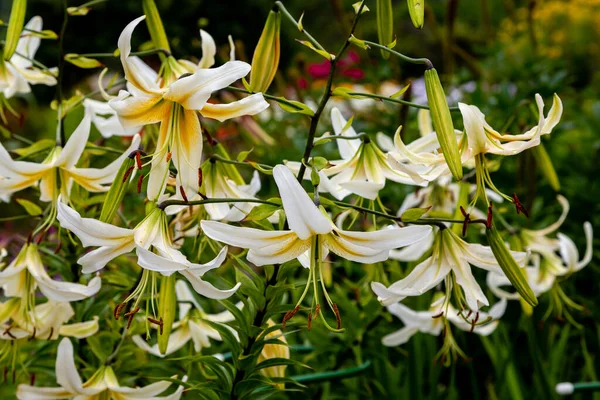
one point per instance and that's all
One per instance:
(15, 27)
(385, 24)
(117, 190)
(545, 164)
(155, 26)
(416, 9)
(509, 266)
(266, 55)
(167, 307)
(442, 122)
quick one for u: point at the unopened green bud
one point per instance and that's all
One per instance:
(117, 190)
(416, 9)
(385, 24)
(155, 26)
(545, 164)
(15, 27)
(167, 307)
(266, 55)
(442, 122)
(509, 266)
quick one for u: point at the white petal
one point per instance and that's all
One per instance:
(74, 147)
(347, 148)
(192, 92)
(92, 232)
(399, 337)
(206, 289)
(250, 105)
(209, 49)
(302, 214)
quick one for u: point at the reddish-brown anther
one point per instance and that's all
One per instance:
(139, 183)
(169, 156)
(309, 322)
(488, 221)
(466, 221)
(199, 177)
(127, 173)
(438, 315)
(183, 194)
(338, 317)
(138, 160)
(289, 315)
(519, 206)
(317, 309)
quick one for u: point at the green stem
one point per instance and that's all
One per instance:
(168, 203)
(425, 61)
(314, 121)
(286, 14)
(139, 53)
(60, 129)
(397, 101)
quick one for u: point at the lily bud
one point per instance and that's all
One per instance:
(15, 27)
(385, 24)
(167, 307)
(117, 190)
(266, 55)
(155, 26)
(545, 163)
(416, 9)
(442, 122)
(509, 266)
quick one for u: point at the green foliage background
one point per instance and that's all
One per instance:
(525, 357)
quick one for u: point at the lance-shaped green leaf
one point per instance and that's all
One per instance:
(545, 164)
(31, 208)
(155, 26)
(416, 9)
(167, 307)
(442, 122)
(509, 266)
(308, 44)
(15, 27)
(82, 61)
(266, 55)
(385, 24)
(294, 107)
(413, 214)
(117, 190)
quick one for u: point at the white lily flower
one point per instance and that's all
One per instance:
(173, 100)
(46, 321)
(152, 231)
(432, 320)
(482, 138)
(105, 119)
(18, 73)
(451, 254)
(102, 385)
(421, 159)
(191, 325)
(554, 257)
(61, 161)
(363, 169)
(26, 273)
(310, 227)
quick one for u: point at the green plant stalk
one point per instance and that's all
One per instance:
(314, 121)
